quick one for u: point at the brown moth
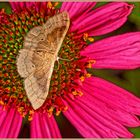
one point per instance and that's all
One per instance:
(36, 60)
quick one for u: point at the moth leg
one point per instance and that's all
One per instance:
(58, 64)
(63, 59)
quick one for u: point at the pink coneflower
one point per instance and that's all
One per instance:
(95, 107)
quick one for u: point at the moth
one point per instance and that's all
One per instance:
(35, 62)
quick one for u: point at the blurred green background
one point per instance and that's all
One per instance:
(128, 79)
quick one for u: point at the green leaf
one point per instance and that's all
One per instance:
(6, 6)
(135, 15)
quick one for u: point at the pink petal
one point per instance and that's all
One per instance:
(112, 95)
(104, 19)
(10, 123)
(114, 115)
(95, 124)
(2, 115)
(80, 124)
(119, 52)
(18, 6)
(77, 10)
(43, 126)
(114, 101)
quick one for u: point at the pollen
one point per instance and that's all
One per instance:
(30, 118)
(88, 75)
(1, 102)
(56, 4)
(75, 92)
(31, 113)
(49, 5)
(65, 108)
(91, 39)
(50, 110)
(82, 78)
(49, 114)
(52, 5)
(58, 112)
(90, 63)
(86, 37)
(79, 93)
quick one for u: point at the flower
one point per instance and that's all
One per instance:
(94, 106)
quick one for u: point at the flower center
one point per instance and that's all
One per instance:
(68, 70)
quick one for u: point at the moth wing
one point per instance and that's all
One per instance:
(33, 37)
(37, 85)
(44, 56)
(56, 29)
(25, 65)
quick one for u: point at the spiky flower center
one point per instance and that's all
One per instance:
(67, 70)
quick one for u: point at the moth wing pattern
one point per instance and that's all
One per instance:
(35, 62)
(24, 63)
(33, 37)
(36, 86)
(25, 66)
